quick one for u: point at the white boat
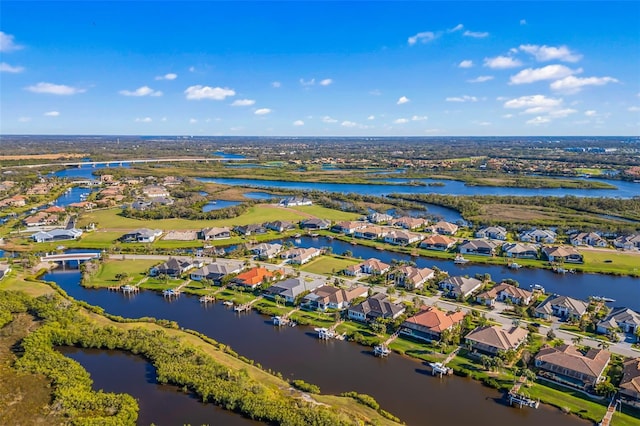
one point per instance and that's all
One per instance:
(602, 299)
(324, 333)
(537, 287)
(440, 369)
(460, 260)
(227, 303)
(381, 351)
(514, 265)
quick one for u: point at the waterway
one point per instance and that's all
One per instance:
(75, 195)
(451, 187)
(624, 289)
(401, 385)
(85, 172)
(122, 372)
(218, 204)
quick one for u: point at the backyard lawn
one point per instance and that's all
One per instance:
(106, 275)
(614, 262)
(327, 265)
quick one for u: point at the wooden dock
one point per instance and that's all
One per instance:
(606, 420)
(391, 338)
(207, 299)
(516, 397)
(246, 306)
(280, 320)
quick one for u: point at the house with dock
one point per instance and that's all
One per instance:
(504, 292)
(256, 276)
(377, 306)
(402, 238)
(438, 242)
(563, 307)
(371, 232)
(348, 227)
(174, 267)
(459, 286)
(630, 383)
(494, 339)
(562, 254)
(478, 247)
(567, 365)
(291, 288)
(329, 297)
(216, 271)
(520, 251)
(430, 323)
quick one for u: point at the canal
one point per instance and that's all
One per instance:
(400, 384)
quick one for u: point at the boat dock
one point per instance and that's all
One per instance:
(440, 368)
(381, 351)
(516, 397)
(246, 306)
(207, 299)
(606, 420)
(330, 333)
(280, 320)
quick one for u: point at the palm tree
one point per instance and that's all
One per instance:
(603, 344)
(577, 340)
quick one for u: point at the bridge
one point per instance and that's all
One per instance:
(69, 257)
(132, 161)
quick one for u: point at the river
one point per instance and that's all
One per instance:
(450, 187)
(122, 372)
(400, 384)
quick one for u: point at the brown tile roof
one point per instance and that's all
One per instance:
(631, 375)
(592, 363)
(498, 337)
(436, 320)
(254, 276)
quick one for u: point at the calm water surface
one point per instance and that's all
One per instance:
(218, 204)
(122, 372)
(73, 196)
(400, 384)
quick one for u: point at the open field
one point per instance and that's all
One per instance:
(106, 274)
(327, 265)
(61, 155)
(613, 262)
(325, 213)
(15, 282)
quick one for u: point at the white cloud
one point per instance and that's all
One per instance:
(481, 123)
(192, 69)
(423, 37)
(170, 76)
(5, 67)
(561, 113)
(243, 102)
(54, 89)
(572, 84)
(401, 121)
(403, 100)
(507, 116)
(481, 79)
(51, 114)
(550, 53)
(327, 119)
(501, 62)
(276, 84)
(464, 98)
(144, 120)
(590, 113)
(419, 118)
(550, 72)
(192, 121)
(371, 117)
(7, 44)
(24, 119)
(307, 82)
(467, 63)
(298, 123)
(326, 82)
(523, 22)
(633, 108)
(536, 121)
(347, 123)
(262, 111)
(456, 28)
(533, 101)
(476, 34)
(141, 91)
(206, 92)
(375, 92)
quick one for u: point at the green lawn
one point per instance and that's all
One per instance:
(318, 319)
(610, 262)
(327, 265)
(106, 275)
(15, 281)
(421, 350)
(325, 213)
(588, 171)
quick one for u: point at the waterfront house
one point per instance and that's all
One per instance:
(562, 254)
(266, 250)
(54, 209)
(376, 306)
(291, 288)
(567, 365)
(87, 205)
(280, 225)
(430, 322)
(15, 201)
(538, 236)
(562, 307)
(505, 292)
(478, 247)
(492, 232)
(174, 267)
(349, 227)
(494, 339)
(588, 239)
(5, 268)
(56, 235)
(445, 228)
(627, 242)
(438, 242)
(254, 277)
(376, 217)
(630, 383)
(411, 277)
(295, 201)
(252, 229)
(520, 251)
(329, 297)
(402, 238)
(216, 271)
(409, 223)
(153, 191)
(459, 286)
(625, 319)
(315, 224)
(300, 256)
(371, 232)
(142, 235)
(208, 234)
(373, 266)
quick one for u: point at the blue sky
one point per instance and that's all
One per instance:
(320, 68)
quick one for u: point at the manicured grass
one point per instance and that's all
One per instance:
(610, 262)
(106, 275)
(269, 307)
(327, 265)
(15, 282)
(567, 399)
(158, 284)
(588, 171)
(325, 213)
(416, 349)
(367, 337)
(237, 297)
(318, 319)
